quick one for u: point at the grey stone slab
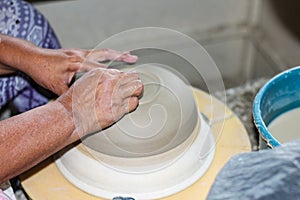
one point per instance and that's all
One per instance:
(267, 174)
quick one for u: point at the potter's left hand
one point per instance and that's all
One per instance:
(55, 68)
(52, 68)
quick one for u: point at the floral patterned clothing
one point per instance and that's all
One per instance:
(19, 19)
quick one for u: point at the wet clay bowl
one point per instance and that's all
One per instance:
(165, 118)
(278, 96)
(144, 154)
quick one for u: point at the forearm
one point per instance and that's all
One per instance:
(18, 54)
(28, 138)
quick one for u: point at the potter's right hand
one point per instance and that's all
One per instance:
(100, 98)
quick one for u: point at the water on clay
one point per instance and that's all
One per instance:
(285, 127)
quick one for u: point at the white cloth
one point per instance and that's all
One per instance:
(6, 192)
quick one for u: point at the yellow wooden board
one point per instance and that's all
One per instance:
(44, 181)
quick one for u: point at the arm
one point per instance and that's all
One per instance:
(29, 138)
(16, 54)
(52, 68)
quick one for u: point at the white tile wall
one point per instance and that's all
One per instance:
(83, 23)
(220, 25)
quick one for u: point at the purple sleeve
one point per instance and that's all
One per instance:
(19, 19)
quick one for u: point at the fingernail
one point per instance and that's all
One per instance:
(134, 56)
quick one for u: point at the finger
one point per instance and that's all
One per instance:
(132, 104)
(115, 72)
(132, 89)
(104, 55)
(129, 105)
(128, 58)
(88, 65)
(101, 55)
(128, 77)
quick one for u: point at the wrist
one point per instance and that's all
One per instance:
(64, 103)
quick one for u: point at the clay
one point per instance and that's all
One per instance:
(285, 128)
(165, 118)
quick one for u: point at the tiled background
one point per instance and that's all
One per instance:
(246, 38)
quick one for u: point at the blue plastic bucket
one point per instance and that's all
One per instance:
(278, 95)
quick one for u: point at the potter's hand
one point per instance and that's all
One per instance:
(52, 68)
(55, 68)
(101, 97)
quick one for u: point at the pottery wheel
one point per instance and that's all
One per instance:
(45, 181)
